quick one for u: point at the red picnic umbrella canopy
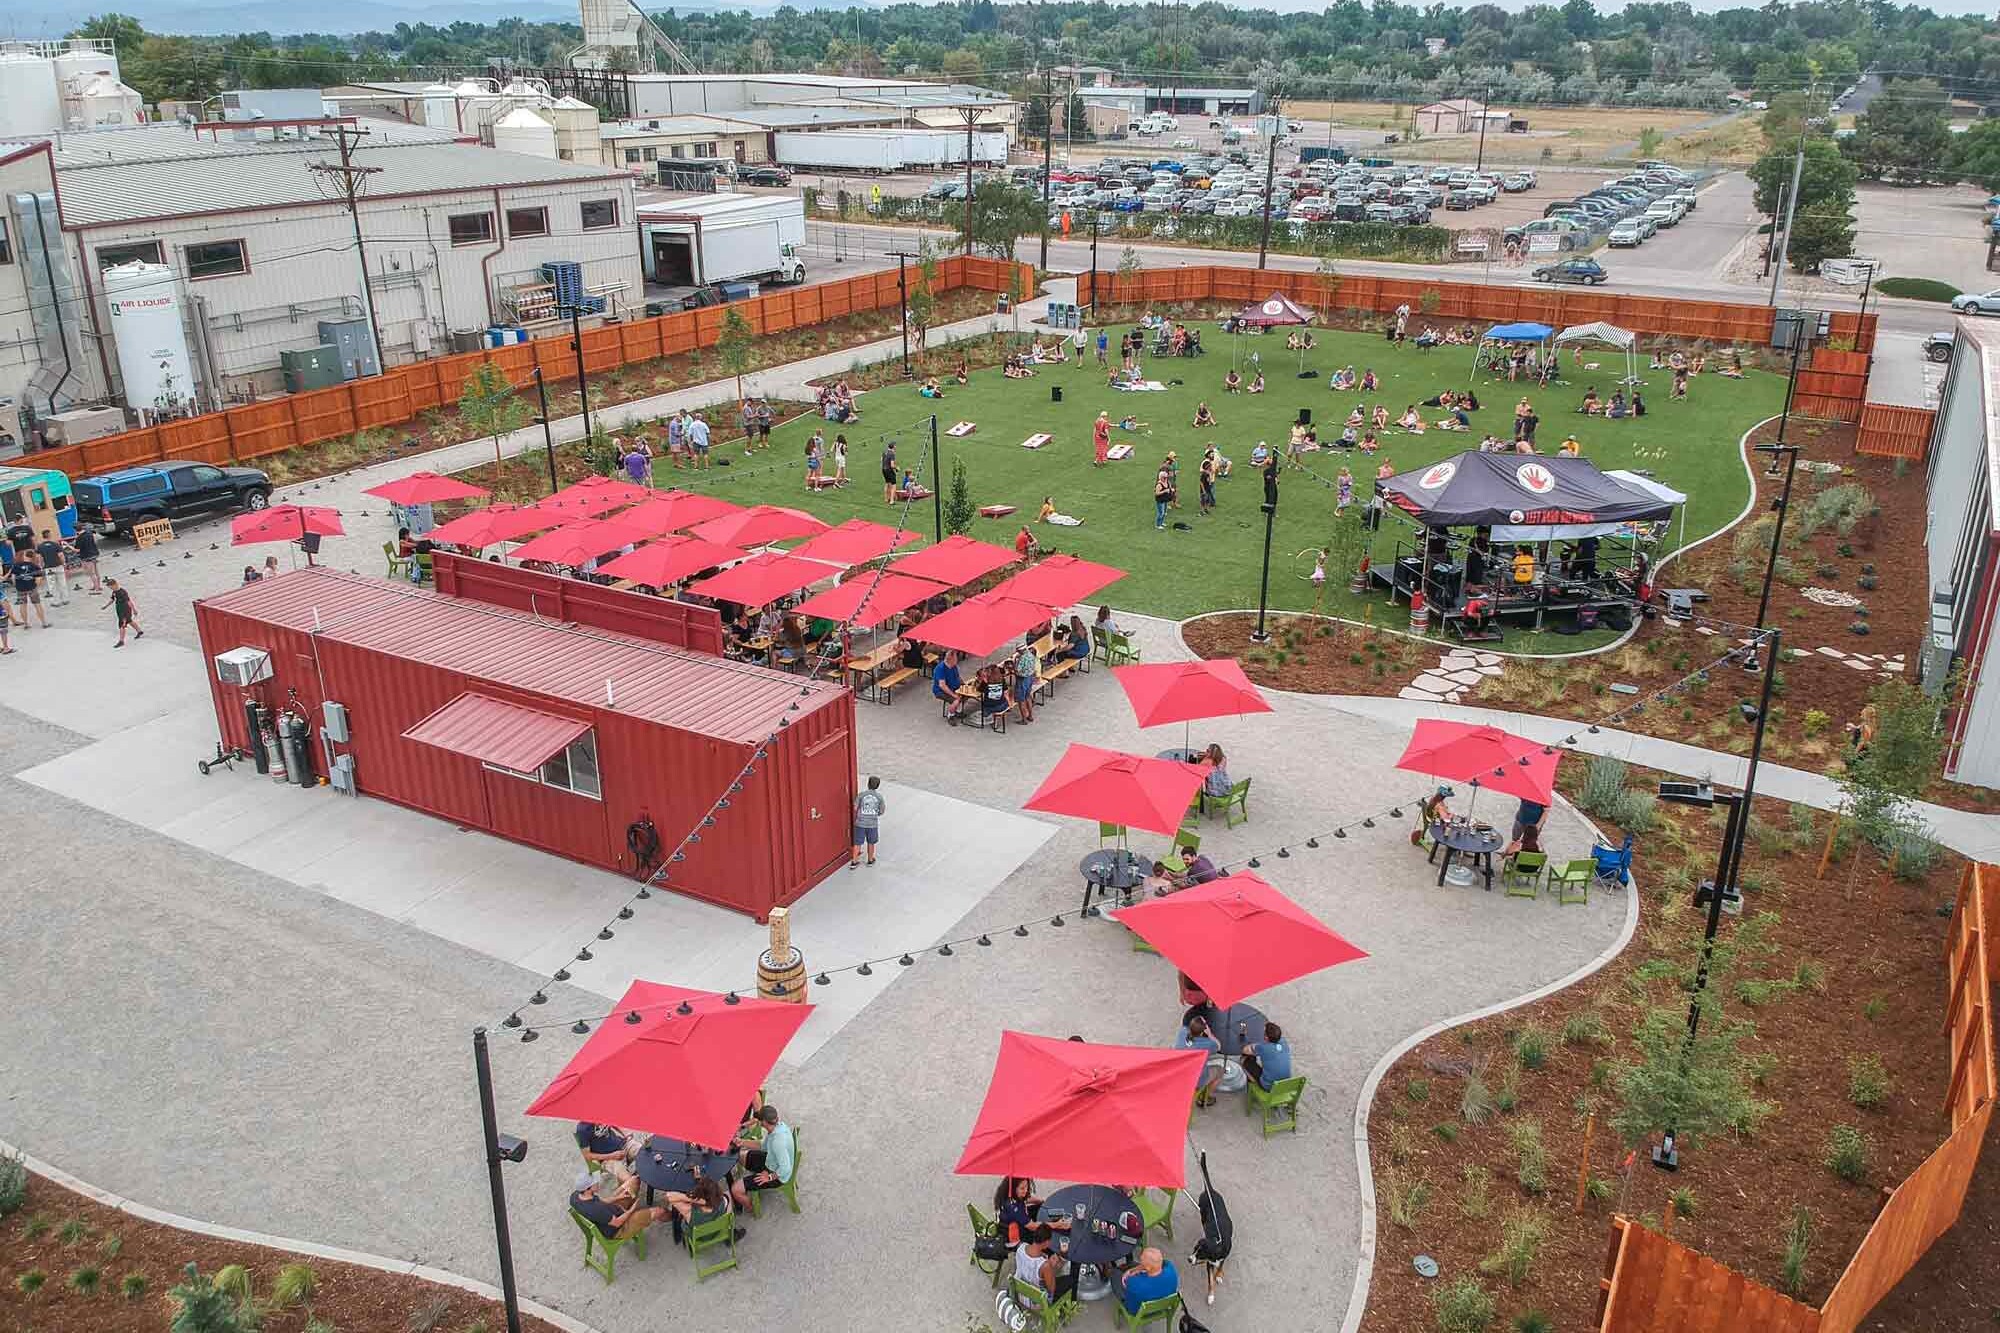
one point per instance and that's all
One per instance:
(870, 598)
(979, 625)
(284, 523)
(575, 543)
(855, 542)
(1163, 692)
(1097, 1115)
(1236, 936)
(495, 523)
(759, 525)
(1059, 580)
(1483, 757)
(425, 488)
(955, 560)
(685, 1069)
(762, 578)
(593, 496)
(665, 560)
(671, 510)
(1116, 788)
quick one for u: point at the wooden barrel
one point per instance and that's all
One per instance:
(790, 972)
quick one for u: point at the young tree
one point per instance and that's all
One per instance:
(921, 307)
(1823, 220)
(1002, 214)
(1649, 141)
(1128, 272)
(959, 511)
(733, 345)
(488, 405)
(1899, 762)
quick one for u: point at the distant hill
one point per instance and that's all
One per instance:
(52, 18)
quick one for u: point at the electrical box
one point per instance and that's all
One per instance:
(355, 346)
(341, 777)
(335, 716)
(314, 368)
(242, 666)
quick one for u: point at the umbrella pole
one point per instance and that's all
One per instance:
(483, 1066)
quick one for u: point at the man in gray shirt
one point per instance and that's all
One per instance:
(869, 808)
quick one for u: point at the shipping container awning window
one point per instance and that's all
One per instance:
(496, 732)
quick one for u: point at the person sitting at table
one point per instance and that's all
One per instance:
(1151, 1278)
(1196, 1037)
(1105, 624)
(910, 653)
(1217, 783)
(1269, 1061)
(1073, 640)
(1232, 382)
(612, 1207)
(1202, 416)
(701, 1205)
(770, 1165)
(1017, 1206)
(1431, 810)
(992, 682)
(604, 1146)
(945, 683)
(1037, 1264)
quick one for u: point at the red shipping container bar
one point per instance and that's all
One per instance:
(673, 728)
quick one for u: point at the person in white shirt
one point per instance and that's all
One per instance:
(1036, 1263)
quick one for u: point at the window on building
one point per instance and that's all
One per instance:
(652, 154)
(573, 770)
(599, 214)
(527, 222)
(216, 259)
(471, 228)
(704, 149)
(110, 256)
(678, 151)
(631, 155)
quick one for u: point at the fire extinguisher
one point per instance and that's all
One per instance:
(295, 734)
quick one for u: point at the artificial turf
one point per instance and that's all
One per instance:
(1691, 445)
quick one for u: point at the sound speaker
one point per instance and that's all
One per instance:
(1055, 393)
(1305, 416)
(309, 543)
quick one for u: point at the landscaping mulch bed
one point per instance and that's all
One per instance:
(1857, 972)
(132, 1265)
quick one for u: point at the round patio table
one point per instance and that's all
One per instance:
(1238, 1026)
(1474, 847)
(1182, 756)
(1082, 1204)
(670, 1164)
(1113, 869)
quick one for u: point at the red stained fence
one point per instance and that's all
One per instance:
(1895, 432)
(1656, 1285)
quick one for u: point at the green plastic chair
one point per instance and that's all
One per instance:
(982, 1227)
(1575, 875)
(790, 1189)
(600, 1252)
(1236, 804)
(1053, 1314)
(1162, 1310)
(1280, 1105)
(399, 566)
(1109, 835)
(1119, 650)
(1156, 1215)
(718, 1233)
(1187, 838)
(1523, 875)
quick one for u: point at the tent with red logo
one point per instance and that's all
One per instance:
(1273, 311)
(1521, 497)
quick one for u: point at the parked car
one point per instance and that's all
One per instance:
(114, 501)
(1977, 303)
(763, 174)
(1625, 233)
(1515, 184)
(1185, 142)
(1572, 270)
(1937, 347)
(1666, 210)
(1460, 200)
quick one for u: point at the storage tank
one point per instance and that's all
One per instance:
(146, 329)
(30, 101)
(578, 137)
(100, 100)
(82, 60)
(522, 131)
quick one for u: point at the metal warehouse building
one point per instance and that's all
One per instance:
(1962, 538)
(556, 735)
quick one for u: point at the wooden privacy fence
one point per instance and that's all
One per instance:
(1894, 432)
(401, 392)
(1654, 1285)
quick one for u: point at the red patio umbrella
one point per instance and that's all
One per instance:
(759, 525)
(1115, 788)
(869, 598)
(1163, 692)
(1236, 936)
(669, 511)
(284, 523)
(1483, 757)
(575, 543)
(1059, 580)
(495, 523)
(685, 1069)
(855, 542)
(665, 560)
(979, 625)
(956, 560)
(425, 488)
(762, 578)
(1097, 1115)
(593, 496)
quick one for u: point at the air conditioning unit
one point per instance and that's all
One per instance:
(242, 666)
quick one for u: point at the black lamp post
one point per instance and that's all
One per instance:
(548, 436)
(582, 383)
(499, 1148)
(1270, 507)
(903, 295)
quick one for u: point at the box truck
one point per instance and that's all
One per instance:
(885, 150)
(714, 238)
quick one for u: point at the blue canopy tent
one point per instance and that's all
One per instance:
(1538, 334)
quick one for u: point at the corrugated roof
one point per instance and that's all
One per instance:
(650, 126)
(496, 732)
(805, 117)
(710, 696)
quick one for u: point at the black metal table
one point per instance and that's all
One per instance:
(1182, 756)
(1083, 1204)
(1238, 1026)
(671, 1164)
(1474, 845)
(1109, 870)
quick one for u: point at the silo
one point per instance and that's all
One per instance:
(30, 101)
(522, 131)
(100, 100)
(146, 329)
(82, 60)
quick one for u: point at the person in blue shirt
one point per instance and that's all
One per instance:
(1196, 1037)
(1269, 1061)
(1151, 1278)
(945, 680)
(1530, 816)
(770, 1164)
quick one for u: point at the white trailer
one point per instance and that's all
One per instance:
(709, 238)
(884, 150)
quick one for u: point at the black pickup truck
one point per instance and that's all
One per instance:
(114, 501)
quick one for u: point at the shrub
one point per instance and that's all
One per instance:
(1912, 851)
(1586, 1029)
(1867, 1082)
(1508, 1095)
(295, 1285)
(1521, 1234)
(1603, 786)
(1809, 975)
(1847, 1153)
(72, 1231)
(1475, 1194)
(1476, 1102)
(1798, 1242)
(203, 1307)
(1917, 289)
(84, 1280)
(1814, 722)
(30, 1282)
(1418, 1090)
(1402, 1143)
(1407, 1197)
(1597, 1189)
(1874, 1007)
(1760, 991)
(1445, 1130)
(1531, 1155)
(34, 1227)
(133, 1286)
(13, 1183)
(1462, 1306)
(1532, 1321)
(1636, 812)
(1685, 1203)
(234, 1281)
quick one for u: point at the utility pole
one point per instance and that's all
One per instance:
(1274, 122)
(582, 382)
(1048, 155)
(348, 183)
(1776, 259)
(903, 295)
(937, 486)
(548, 436)
(1480, 163)
(970, 115)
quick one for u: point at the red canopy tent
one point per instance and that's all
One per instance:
(495, 523)
(284, 523)
(1483, 757)
(760, 525)
(1059, 580)
(665, 560)
(1236, 936)
(425, 488)
(855, 542)
(1097, 1115)
(869, 598)
(576, 543)
(671, 510)
(1115, 788)
(1273, 311)
(956, 560)
(685, 1069)
(593, 496)
(762, 578)
(979, 625)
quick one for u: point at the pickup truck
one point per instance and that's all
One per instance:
(114, 501)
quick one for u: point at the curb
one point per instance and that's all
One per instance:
(332, 1253)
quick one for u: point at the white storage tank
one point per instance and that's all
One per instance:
(146, 329)
(522, 131)
(82, 60)
(101, 100)
(578, 138)
(30, 101)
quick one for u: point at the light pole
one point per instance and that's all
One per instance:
(937, 486)
(903, 294)
(1270, 507)
(1048, 154)
(1485, 99)
(582, 383)
(499, 1148)
(548, 436)
(1270, 179)
(1783, 504)
(1093, 258)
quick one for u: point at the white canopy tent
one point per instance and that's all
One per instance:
(1661, 492)
(1611, 335)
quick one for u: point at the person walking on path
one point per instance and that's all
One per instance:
(86, 552)
(869, 807)
(128, 614)
(54, 574)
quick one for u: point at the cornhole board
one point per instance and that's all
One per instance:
(1037, 440)
(996, 511)
(822, 483)
(1118, 451)
(962, 429)
(913, 493)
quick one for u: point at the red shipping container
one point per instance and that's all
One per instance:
(669, 729)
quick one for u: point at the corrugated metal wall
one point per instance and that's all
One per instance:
(680, 624)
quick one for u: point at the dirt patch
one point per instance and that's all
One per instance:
(1854, 974)
(102, 1271)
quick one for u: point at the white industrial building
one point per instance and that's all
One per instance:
(1962, 539)
(890, 102)
(1136, 100)
(519, 114)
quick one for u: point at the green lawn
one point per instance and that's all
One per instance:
(1691, 446)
